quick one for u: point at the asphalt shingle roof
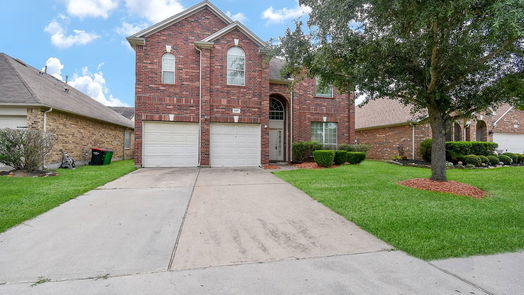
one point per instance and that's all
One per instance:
(21, 84)
(128, 112)
(383, 112)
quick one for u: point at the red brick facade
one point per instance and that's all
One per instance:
(156, 101)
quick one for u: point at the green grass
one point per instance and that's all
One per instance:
(22, 198)
(425, 224)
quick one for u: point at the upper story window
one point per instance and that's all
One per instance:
(168, 68)
(236, 66)
(326, 91)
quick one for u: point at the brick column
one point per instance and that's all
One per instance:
(139, 50)
(206, 106)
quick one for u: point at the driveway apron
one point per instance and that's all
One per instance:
(241, 216)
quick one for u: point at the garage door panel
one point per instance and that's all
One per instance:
(170, 144)
(235, 145)
(509, 142)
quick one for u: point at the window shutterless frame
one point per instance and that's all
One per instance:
(327, 91)
(325, 133)
(236, 66)
(168, 68)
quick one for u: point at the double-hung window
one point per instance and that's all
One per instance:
(323, 91)
(168, 68)
(324, 133)
(236, 67)
(127, 139)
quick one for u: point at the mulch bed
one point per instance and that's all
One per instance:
(452, 187)
(269, 166)
(311, 165)
(24, 173)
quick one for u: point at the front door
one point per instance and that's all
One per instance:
(276, 140)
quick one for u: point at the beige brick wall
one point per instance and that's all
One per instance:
(76, 135)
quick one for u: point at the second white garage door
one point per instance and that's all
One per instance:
(235, 145)
(509, 142)
(170, 144)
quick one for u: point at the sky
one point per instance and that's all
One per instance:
(84, 40)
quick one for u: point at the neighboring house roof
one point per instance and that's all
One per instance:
(383, 113)
(23, 85)
(275, 67)
(128, 112)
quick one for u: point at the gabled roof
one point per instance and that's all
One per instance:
(128, 112)
(23, 85)
(275, 67)
(231, 27)
(383, 113)
(178, 17)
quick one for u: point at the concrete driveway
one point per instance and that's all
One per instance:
(200, 231)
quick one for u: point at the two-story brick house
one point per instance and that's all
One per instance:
(208, 95)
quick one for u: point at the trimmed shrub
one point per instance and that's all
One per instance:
(493, 160)
(425, 149)
(355, 157)
(514, 157)
(340, 157)
(521, 157)
(480, 148)
(473, 160)
(357, 147)
(505, 159)
(484, 160)
(324, 158)
(303, 150)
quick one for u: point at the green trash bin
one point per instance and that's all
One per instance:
(108, 155)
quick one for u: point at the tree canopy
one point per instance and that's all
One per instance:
(443, 57)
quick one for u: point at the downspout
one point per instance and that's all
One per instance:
(45, 118)
(199, 105)
(291, 124)
(45, 129)
(413, 141)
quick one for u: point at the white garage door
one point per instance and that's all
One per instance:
(509, 142)
(170, 144)
(235, 145)
(13, 122)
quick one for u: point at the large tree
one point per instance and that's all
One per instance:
(442, 58)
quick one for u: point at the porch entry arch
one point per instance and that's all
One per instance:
(277, 128)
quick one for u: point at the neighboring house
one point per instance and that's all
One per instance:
(206, 95)
(391, 129)
(30, 98)
(128, 112)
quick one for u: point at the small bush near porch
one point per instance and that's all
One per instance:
(22, 198)
(425, 224)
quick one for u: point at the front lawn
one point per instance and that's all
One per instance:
(425, 224)
(22, 198)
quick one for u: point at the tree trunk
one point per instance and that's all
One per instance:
(438, 145)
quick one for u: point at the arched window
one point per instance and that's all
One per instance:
(236, 66)
(168, 68)
(276, 109)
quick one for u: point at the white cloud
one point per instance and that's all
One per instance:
(154, 10)
(126, 29)
(280, 15)
(54, 67)
(91, 84)
(237, 16)
(91, 8)
(94, 85)
(61, 40)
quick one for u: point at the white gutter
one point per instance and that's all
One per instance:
(199, 105)
(291, 123)
(505, 113)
